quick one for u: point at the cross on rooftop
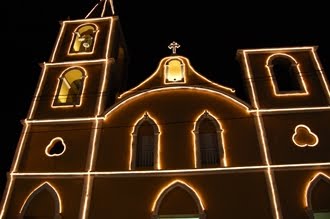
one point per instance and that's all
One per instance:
(173, 46)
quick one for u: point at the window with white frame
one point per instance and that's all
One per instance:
(70, 87)
(208, 140)
(145, 144)
(318, 197)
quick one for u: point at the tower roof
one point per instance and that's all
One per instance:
(104, 8)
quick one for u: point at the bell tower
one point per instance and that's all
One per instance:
(85, 72)
(86, 67)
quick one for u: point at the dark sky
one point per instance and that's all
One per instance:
(209, 32)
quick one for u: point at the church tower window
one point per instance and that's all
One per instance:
(70, 87)
(285, 75)
(83, 39)
(208, 141)
(174, 71)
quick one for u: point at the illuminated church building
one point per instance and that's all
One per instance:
(175, 146)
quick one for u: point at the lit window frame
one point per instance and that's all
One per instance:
(269, 66)
(54, 193)
(179, 216)
(169, 187)
(61, 80)
(220, 139)
(134, 141)
(309, 190)
(183, 71)
(73, 38)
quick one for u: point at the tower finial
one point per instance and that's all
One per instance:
(173, 46)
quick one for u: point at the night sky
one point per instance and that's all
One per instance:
(209, 32)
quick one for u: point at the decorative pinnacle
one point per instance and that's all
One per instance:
(173, 46)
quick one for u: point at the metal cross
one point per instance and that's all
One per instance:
(173, 46)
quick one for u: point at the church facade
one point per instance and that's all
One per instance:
(177, 145)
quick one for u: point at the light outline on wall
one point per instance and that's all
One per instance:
(44, 184)
(82, 119)
(36, 95)
(282, 49)
(102, 88)
(307, 194)
(84, 78)
(300, 78)
(144, 172)
(6, 195)
(51, 144)
(165, 189)
(57, 42)
(75, 62)
(289, 109)
(318, 64)
(309, 132)
(64, 120)
(157, 145)
(87, 196)
(195, 131)
(136, 88)
(97, 30)
(175, 88)
(262, 136)
(97, 122)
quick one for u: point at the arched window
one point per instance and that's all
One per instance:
(174, 71)
(208, 141)
(178, 200)
(42, 202)
(83, 39)
(318, 197)
(70, 87)
(285, 75)
(145, 144)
